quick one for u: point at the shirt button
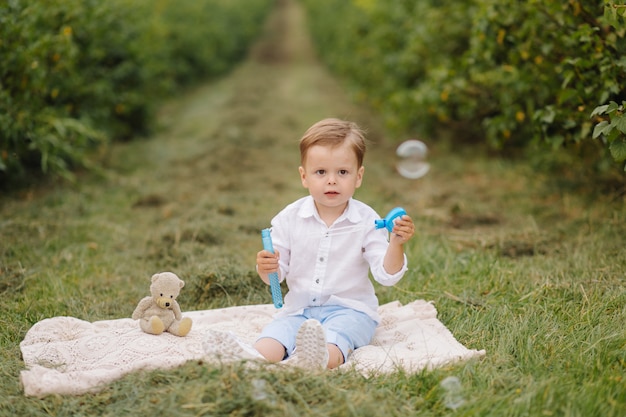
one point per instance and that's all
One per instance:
(322, 259)
(317, 281)
(315, 299)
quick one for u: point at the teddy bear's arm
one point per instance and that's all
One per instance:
(176, 310)
(143, 305)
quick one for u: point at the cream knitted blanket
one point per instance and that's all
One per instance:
(65, 355)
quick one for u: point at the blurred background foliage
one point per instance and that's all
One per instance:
(544, 80)
(524, 77)
(78, 74)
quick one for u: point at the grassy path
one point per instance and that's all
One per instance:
(531, 272)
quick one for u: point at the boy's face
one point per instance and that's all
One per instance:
(331, 174)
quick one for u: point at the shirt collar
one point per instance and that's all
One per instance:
(352, 214)
(307, 209)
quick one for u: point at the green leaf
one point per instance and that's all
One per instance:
(600, 129)
(618, 150)
(599, 110)
(612, 107)
(619, 122)
(547, 115)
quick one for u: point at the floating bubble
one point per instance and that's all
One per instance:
(259, 389)
(412, 159)
(453, 398)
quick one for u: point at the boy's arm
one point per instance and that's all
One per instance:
(394, 258)
(403, 230)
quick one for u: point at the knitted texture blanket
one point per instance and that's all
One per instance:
(66, 355)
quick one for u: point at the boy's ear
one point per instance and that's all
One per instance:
(303, 177)
(359, 176)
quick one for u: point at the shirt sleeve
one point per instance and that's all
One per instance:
(374, 250)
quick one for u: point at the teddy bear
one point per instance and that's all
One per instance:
(160, 312)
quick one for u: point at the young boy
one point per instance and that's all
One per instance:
(325, 244)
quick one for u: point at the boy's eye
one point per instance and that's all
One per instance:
(343, 171)
(320, 172)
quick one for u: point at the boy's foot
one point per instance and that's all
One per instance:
(311, 351)
(227, 347)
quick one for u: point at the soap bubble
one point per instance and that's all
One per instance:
(412, 159)
(259, 389)
(453, 397)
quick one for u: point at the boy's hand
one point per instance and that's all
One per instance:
(267, 262)
(402, 231)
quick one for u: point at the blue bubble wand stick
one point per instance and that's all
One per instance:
(277, 295)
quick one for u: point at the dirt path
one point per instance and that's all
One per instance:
(231, 130)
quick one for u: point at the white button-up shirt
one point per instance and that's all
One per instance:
(329, 265)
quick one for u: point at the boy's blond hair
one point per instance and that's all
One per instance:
(334, 132)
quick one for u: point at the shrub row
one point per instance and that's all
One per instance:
(508, 72)
(79, 73)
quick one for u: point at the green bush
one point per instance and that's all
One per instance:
(389, 49)
(613, 130)
(77, 74)
(511, 73)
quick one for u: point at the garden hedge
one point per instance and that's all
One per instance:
(514, 74)
(77, 74)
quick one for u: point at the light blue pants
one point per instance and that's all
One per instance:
(347, 328)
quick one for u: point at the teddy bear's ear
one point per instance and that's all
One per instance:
(155, 277)
(182, 283)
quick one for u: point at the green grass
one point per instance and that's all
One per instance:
(528, 270)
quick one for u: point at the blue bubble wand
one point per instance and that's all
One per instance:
(389, 219)
(277, 295)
